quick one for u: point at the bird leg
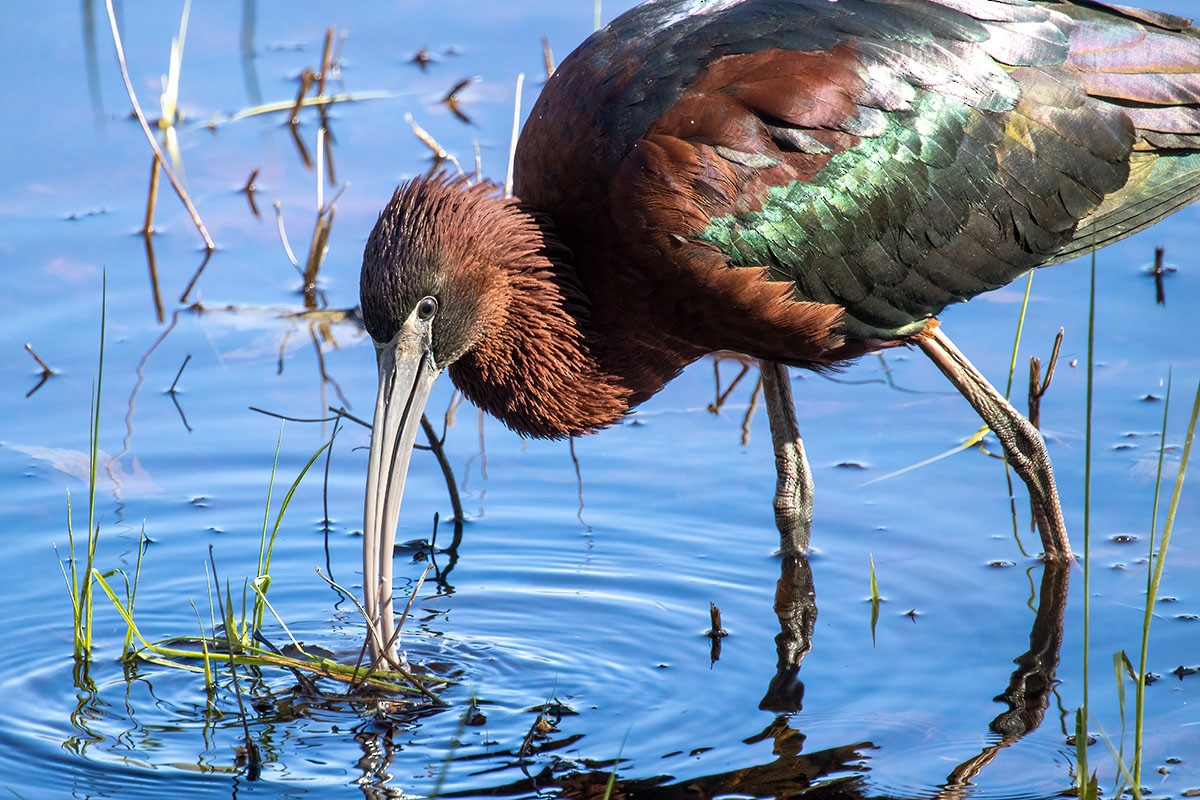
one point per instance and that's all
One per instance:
(794, 490)
(1023, 444)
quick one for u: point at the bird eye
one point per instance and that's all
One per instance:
(427, 308)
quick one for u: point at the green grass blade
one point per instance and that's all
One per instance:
(1012, 364)
(143, 543)
(262, 542)
(1083, 778)
(82, 580)
(1082, 775)
(208, 676)
(287, 631)
(1123, 773)
(263, 581)
(612, 776)
(1148, 614)
(1120, 663)
(875, 598)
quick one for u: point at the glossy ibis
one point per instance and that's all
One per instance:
(802, 181)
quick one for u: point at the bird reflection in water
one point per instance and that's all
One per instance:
(836, 772)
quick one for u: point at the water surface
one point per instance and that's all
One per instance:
(584, 578)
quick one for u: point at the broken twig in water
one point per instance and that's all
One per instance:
(1038, 387)
(46, 371)
(714, 615)
(453, 102)
(250, 189)
(716, 633)
(175, 382)
(1160, 289)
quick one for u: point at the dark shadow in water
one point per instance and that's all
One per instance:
(831, 773)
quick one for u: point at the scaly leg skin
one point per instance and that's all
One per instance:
(1023, 443)
(794, 490)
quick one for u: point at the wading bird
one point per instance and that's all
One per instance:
(801, 181)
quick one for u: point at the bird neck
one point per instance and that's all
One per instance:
(537, 367)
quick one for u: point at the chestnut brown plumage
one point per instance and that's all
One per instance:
(515, 324)
(797, 180)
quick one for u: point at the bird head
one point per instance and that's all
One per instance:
(432, 285)
(434, 262)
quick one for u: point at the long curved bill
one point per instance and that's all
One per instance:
(406, 375)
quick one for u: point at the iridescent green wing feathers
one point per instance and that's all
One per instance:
(978, 140)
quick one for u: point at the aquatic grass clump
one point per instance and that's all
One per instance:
(79, 581)
(204, 654)
(1158, 559)
(1129, 775)
(235, 639)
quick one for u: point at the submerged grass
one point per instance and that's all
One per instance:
(213, 648)
(233, 637)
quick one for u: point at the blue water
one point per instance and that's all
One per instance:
(589, 588)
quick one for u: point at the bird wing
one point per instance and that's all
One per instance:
(891, 156)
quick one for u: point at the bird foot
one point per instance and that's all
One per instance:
(1023, 444)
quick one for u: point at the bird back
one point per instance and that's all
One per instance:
(887, 156)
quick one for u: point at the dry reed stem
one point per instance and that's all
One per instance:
(283, 238)
(516, 131)
(547, 57)
(326, 61)
(374, 633)
(179, 374)
(440, 153)
(151, 198)
(141, 117)
(183, 298)
(306, 80)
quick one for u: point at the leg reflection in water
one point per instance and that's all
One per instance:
(1027, 695)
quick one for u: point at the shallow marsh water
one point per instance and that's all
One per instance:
(582, 588)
